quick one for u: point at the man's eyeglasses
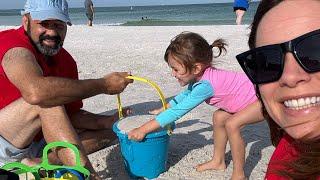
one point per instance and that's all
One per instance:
(265, 64)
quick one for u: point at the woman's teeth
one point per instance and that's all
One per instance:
(302, 102)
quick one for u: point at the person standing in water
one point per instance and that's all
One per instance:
(88, 5)
(240, 7)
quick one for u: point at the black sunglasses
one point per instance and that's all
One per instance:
(265, 64)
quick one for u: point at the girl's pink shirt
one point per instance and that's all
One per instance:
(233, 91)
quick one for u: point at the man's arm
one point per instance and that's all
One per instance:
(25, 73)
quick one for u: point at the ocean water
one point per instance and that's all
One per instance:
(164, 15)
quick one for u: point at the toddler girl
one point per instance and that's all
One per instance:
(190, 56)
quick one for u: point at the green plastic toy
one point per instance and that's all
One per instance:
(46, 171)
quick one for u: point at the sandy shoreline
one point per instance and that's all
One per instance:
(102, 49)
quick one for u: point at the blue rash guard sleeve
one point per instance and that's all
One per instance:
(185, 102)
(180, 96)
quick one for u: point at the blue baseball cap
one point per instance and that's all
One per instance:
(47, 9)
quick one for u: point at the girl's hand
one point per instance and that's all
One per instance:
(156, 111)
(136, 134)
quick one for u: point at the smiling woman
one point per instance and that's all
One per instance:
(284, 63)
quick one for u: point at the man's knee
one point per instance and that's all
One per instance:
(21, 121)
(18, 113)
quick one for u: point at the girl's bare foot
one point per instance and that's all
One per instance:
(210, 165)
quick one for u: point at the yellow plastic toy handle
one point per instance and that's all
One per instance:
(155, 86)
(119, 106)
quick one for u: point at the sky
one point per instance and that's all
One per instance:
(18, 4)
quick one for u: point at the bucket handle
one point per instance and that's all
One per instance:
(156, 87)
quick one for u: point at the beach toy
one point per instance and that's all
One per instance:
(68, 174)
(46, 171)
(147, 158)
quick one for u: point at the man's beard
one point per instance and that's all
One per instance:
(48, 50)
(44, 49)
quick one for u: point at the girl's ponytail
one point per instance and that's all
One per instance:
(221, 45)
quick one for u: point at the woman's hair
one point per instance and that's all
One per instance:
(191, 48)
(307, 166)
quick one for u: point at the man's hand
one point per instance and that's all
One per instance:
(116, 82)
(136, 134)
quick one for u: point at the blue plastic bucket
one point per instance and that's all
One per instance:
(147, 158)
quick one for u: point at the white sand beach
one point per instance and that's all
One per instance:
(99, 50)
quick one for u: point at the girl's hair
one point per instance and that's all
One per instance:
(191, 48)
(307, 166)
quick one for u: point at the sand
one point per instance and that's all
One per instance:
(99, 50)
(128, 123)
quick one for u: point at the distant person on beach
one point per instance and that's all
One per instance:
(88, 5)
(41, 95)
(190, 57)
(284, 63)
(240, 7)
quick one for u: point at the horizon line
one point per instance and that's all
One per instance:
(138, 5)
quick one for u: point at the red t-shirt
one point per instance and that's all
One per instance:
(63, 66)
(285, 151)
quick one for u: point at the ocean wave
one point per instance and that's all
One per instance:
(159, 22)
(111, 24)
